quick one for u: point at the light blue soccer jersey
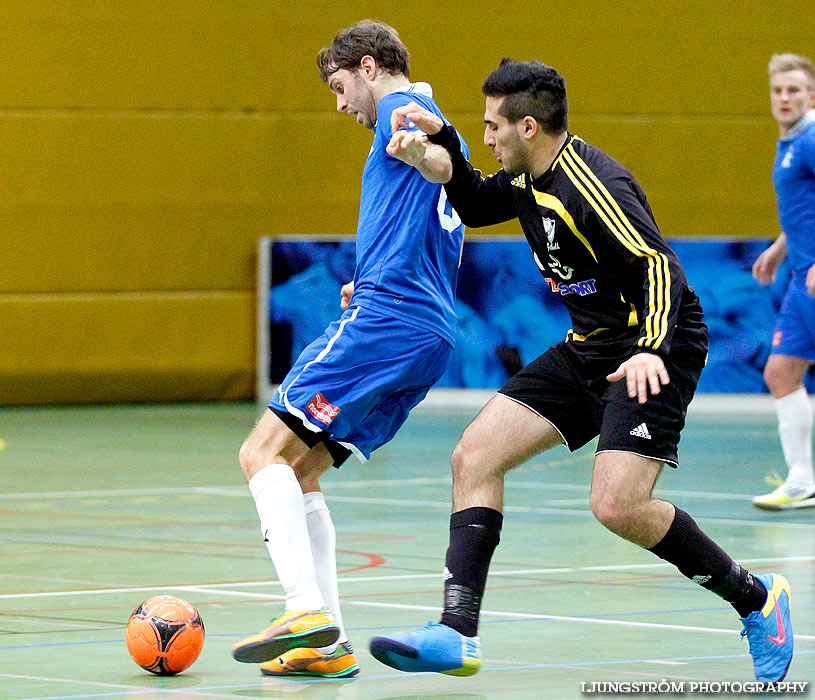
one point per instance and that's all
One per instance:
(408, 237)
(794, 182)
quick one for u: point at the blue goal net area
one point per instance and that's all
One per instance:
(507, 313)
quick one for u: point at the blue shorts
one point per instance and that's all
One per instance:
(794, 332)
(356, 384)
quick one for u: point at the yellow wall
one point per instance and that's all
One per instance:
(145, 147)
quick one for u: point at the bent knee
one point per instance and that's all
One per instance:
(462, 462)
(613, 515)
(470, 465)
(458, 460)
(783, 377)
(775, 380)
(249, 459)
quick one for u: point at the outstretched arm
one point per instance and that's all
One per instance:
(423, 118)
(431, 160)
(436, 151)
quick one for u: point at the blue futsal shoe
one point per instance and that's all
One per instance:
(769, 631)
(433, 647)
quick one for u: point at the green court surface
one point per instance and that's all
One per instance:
(102, 507)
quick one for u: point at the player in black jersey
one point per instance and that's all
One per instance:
(594, 238)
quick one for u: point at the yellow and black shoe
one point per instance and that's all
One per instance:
(341, 663)
(292, 629)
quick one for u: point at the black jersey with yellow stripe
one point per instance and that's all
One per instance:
(595, 240)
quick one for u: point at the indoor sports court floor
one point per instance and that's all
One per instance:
(102, 507)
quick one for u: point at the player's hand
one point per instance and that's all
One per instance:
(643, 372)
(408, 146)
(347, 291)
(421, 117)
(764, 268)
(766, 264)
(810, 281)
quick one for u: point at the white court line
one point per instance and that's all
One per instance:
(242, 492)
(98, 684)
(239, 594)
(445, 505)
(219, 587)
(560, 618)
(535, 616)
(135, 689)
(238, 491)
(583, 512)
(134, 493)
(711, 495)
(95, 591)
(495, 613)
(438, 505)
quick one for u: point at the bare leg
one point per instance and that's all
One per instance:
(270, 442)
(621, 497)
(502, 436)
(621, 500)
(311, 466)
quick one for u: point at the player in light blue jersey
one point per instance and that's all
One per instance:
(792, 97)
(352, 388)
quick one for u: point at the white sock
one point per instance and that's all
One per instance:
(795, 428)
(279, 501)
(324, 552)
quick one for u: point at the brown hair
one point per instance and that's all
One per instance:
(783, 62)
(366, 38)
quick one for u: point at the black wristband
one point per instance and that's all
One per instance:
(445, 137)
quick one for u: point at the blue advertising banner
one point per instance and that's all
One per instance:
(507, 315)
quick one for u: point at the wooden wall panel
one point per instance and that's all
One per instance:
(126, 347)
(146, 146)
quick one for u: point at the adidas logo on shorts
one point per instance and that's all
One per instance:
(641, 431)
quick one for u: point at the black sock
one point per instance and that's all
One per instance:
(474, 535)
(700, 559)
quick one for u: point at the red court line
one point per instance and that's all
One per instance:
(374, 560)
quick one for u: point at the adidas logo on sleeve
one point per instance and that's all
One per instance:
(641, 431)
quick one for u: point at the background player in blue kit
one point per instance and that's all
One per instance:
(352, 388)
(792, 98)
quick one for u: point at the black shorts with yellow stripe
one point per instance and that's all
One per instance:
(580, 410)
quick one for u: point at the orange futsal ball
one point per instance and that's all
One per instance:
(164, 635)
